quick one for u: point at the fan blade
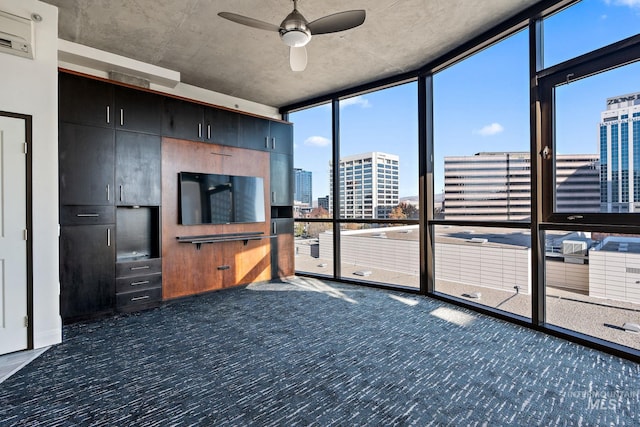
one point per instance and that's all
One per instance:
(337, 22)
(298, 58)
(250, 22)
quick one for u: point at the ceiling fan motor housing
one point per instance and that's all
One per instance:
(294, 31)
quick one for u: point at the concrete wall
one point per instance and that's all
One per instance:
(490, 266)
(567, 275)
(614, 275)
(30, 86)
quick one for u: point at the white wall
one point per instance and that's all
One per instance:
(30, 86)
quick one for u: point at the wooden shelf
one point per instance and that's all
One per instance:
(219, 238)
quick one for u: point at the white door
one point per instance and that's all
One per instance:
(13, 245)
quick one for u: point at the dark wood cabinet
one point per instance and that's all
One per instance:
(281, 137)
(86, 165)
(182, 119)
(87, 255)
(220, 127)
(253, 133)
(282, 256)
(96, 103)
(282, 181)
(137, 110)
(137, 169)
(85, 101)
(138, 284)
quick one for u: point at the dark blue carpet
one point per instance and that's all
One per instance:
(317, 353)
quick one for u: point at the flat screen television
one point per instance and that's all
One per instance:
(207, 198)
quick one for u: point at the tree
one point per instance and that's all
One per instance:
(319, 212)
(404, 210)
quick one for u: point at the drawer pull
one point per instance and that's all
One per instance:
(88, 215)
(142, 282)
(223, 267)
(144, 267)
(140, 298)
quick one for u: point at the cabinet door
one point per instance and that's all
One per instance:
(138, 163)
(86, 165)
(282, 256)
(281, 179)
(138, 110)
(182, 119)
(85, 101)
(87, 285)
(253, 133)
(221, 127)
(281, 137)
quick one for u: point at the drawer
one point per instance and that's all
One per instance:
(138, 298)
(138, 283)
(87, 215)
(139, 268)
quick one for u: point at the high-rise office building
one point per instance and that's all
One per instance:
(620, 154)
(303, 183)
(369, 185)
(323, 202)
(497, 186)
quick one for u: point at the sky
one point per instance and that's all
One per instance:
(480, 104)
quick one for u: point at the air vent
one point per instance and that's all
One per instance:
(16, 35)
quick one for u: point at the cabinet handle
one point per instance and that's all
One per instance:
(275, 228)
(142, 282)
(108, 118)
(266, 142)
(88, 215)
(140, 298)
(108, 193)
(208, 131)
(121, 193)
(273, 197)
(144, 267)
(199, 130)
(224, 267)
(109, 237)
(121, 117)
(273, 143)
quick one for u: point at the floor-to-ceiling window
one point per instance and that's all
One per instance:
(378, 187)
(313, 145)
(591, 130)
(482, 176)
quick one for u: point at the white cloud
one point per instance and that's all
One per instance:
(317, 141)
(356, 100)
(488, 130)
(630, 3)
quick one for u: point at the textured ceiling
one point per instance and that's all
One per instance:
(216, 54)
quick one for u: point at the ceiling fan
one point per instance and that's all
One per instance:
(295, 31)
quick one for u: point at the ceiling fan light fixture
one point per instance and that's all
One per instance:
(296, 37)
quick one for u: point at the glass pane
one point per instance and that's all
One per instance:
(379, 153)
(481, 135)
(312, 157)
(588, 25)
(593, 284)
(489, 266)
(314, 248)
(388, 254)
(597, 142)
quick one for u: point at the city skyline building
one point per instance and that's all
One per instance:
(368, 186)
(303, 192)
(496, 185)
(620, 154)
